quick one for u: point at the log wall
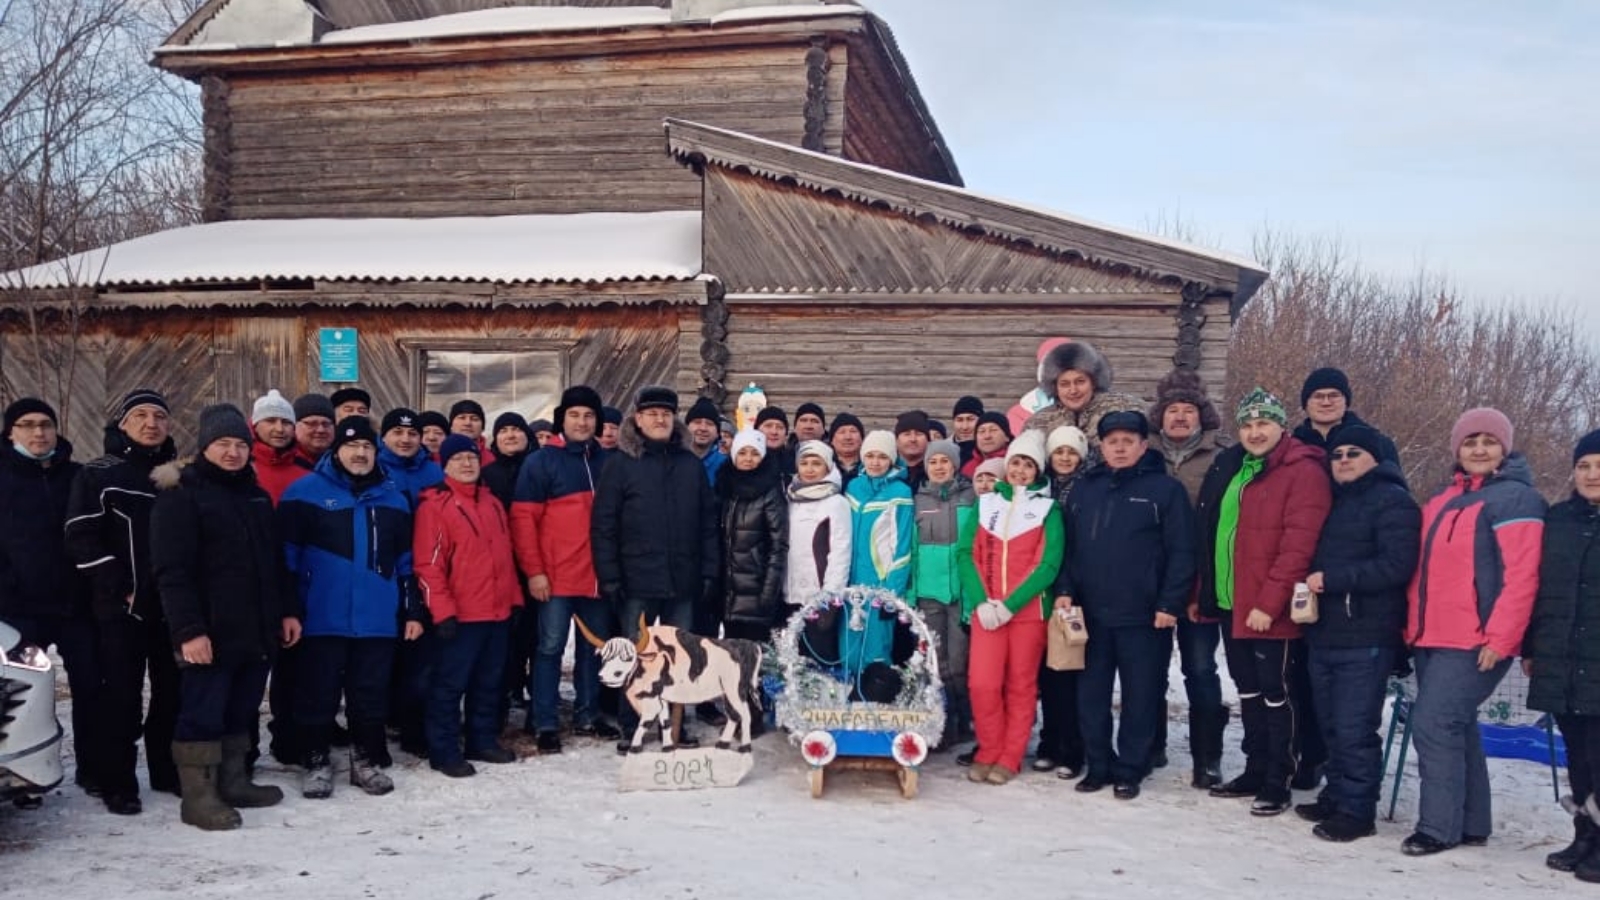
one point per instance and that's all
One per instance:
(512, 137)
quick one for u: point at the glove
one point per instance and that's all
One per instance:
(445, 630)
(993, 614)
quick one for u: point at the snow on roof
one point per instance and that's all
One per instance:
(586, 247)
(510, 20)
(1182, 246)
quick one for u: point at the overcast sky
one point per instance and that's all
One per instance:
(1457, 135)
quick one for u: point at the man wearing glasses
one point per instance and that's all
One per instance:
(41, 593)
(1326, 399)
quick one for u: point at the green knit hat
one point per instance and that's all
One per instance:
(1260, 404)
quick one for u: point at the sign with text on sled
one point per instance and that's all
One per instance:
(341, 357)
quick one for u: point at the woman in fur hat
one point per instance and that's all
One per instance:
(1079, 378)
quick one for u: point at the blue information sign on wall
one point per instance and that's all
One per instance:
(341, 361)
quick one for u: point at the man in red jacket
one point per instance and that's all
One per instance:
(273, 454)
(1261, 510)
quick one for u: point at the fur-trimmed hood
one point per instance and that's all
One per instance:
(1079, 355)
(631, 442)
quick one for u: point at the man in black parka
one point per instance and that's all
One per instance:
(42, 595)
(654, 528)
(108, 537)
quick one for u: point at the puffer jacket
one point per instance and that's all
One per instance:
(881, 526)
(1479, 568)
(37, 578)
(216, 556)
(1563, 639)
(552, 507)
(347, 544)
(108, 526)
(412, 475)
(1307, 434)
(500, 476)
(941, 512)
(1011, 550)
(654, 528)
(1366, 553)
(755, 542)
(819, 540)
(461, 549)
(1281, 512)
(1130, 544)
(276, 469)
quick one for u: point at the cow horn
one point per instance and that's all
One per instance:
(587, 634)
(644, 634)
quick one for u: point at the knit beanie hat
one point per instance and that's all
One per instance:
(1068, 436)
(456, 443)
(655, 396)
(992, 466)
(1123, 420)
(881, 441)
(703, 408)
(1364, 436)
(810, 409)
(541, 425)
(814, 448)
(968, 405)
(726, 426)
(1183, 386)
(1322, 380)
(23, 407)
(464, 407)
(771, 414)
(943, 448)
(610, 415)
(1588, 444)
(348, 394)
(579, 396)
(436, 419)
(510, 418)
(749, 438)
(273, 406)
(222, 420)
(912, 420)
(1030, 444)
(400, 418)
(1483, 420)
(1260, 404)
(138, 398)
(308, 405)
(847, 420)
(353, 428)
(937, 430)
(996, 418)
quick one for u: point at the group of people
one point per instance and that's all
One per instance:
(421, 573)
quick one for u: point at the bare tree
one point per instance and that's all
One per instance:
(1418, 354)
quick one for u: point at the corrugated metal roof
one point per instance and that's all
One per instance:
(588, 248)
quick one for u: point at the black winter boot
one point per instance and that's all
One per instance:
(197, 763)
(1585, 840)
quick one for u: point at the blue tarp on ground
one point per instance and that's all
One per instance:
(1530, 742)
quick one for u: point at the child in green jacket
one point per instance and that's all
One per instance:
(943, 506)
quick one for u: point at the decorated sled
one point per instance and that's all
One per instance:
(845, 715)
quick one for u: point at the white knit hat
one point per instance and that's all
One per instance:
(817, 449)
(273, 406)
(1068, 436)
(881, 441)
(749, 438)
(1030, 444)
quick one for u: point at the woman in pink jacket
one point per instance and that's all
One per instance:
(1469, 605)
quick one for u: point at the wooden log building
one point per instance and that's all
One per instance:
(503, 198)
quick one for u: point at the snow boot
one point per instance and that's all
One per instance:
(1205, 746)
(1588, 868)
(196, 763)
(318, 781)
(365, 773)
(233, 777)
(1585, 840)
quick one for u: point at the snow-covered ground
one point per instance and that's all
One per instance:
(556, 826)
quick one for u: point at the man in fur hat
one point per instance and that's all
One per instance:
(1078, 378)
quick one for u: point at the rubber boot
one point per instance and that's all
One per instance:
(197, 764)
(233, 777)
(1585, 841)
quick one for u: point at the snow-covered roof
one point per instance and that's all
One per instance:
(523, 20)
(587, 248)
